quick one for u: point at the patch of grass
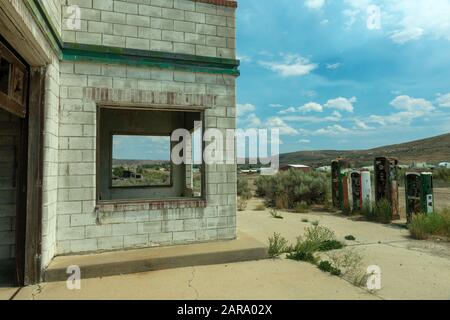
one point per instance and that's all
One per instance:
(319, 234)
(315, 223)
(301, 207)
(277, 245)
(303, 251)
(241, 204)
(424, 226)
(275, 214)
(326, 266)
(330, 245)
(260, 207)
(381, 212)
(350, 238)
(305, 220)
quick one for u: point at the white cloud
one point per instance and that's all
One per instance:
(288, 110)
(278, 123)
(444, 100)
(314, 4)
(275, 105)
(253, 121)
(304, 141)
(342, 104)
(411, 104)
(292, 65)
(361, 125)
(243, 109)
(333, 66)
(405, 35)
(244, 58)
(311, 107)
(333, 130)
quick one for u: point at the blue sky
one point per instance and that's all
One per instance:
(331, 75)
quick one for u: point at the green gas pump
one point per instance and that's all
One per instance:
(337, 190)
(419, 194)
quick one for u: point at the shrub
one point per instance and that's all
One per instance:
(277, 245)
(349, 261)
(260, 207)
(274, 213)
(286, 190)
(326, 266)
(301, 207)
(424, 226)
(381, 212)
(241, 204)
(305, 220)
(319, 234)
(350, 238)
(243, 189)
(303, 251)
(329, 245)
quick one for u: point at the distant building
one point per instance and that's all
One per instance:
(444, 165)
(299, 167)
(324, 169)
(420, 165)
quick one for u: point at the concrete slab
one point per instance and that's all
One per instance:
(244, 248)
(7, 293)
(265, 279)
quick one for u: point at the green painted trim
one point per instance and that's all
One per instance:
(94, 53)
(44, 22)
(165, 60)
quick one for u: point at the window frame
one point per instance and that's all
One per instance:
(200, 201)
(137, 134)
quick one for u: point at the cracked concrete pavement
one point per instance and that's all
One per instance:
(410, 269)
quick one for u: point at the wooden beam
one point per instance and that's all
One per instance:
(34, 181)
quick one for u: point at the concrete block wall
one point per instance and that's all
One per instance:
(179, 26)
(51, 159)
(82, 226)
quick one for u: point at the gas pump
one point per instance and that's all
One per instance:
(386, 182)
(419, 194)
(337, 167)
(355, 177)
(366, 190)
(346, 193)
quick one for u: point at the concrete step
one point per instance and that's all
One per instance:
(244, 248)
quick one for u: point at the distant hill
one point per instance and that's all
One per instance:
(430, 150)
(121, 162)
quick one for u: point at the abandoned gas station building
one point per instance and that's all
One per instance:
(77, 74)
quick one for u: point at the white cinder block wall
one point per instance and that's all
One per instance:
(180, 26)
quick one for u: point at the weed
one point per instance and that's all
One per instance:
(350, 238)
(305, 220)
(315, 223)
(424, 226)
(243, 189)
(326, 266)
(349, 261)
(301, 207)
(274, 213)
(241, 204)
(260, 207)
(319, 234)
(329, 245)
(277, 245)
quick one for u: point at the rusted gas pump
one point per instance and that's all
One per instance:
(337, 190)
(386, 183)
(419, 194)
(355, 178)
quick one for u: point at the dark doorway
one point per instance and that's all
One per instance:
(13, 166)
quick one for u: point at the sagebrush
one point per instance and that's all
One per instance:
(288, 189)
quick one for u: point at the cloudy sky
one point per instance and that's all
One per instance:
(350, 74)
